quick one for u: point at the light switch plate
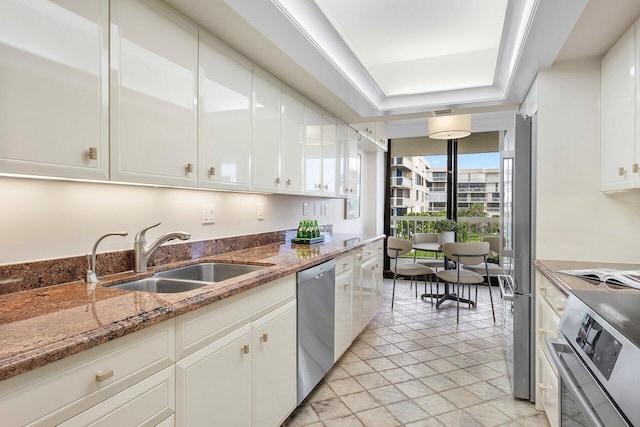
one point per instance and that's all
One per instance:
(260, 211)
(208, 214)
(306, 209)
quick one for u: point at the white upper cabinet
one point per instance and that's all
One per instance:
(154, 56)
(618, 121)
(353, 164)
(266, 133)
(224, 122)
(329, 156)
(293, 142)
(342, 161)
(54, 65)
(313, 123)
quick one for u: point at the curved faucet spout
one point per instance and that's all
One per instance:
(141, 253)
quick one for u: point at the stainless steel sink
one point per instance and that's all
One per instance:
(160, 285)
(209, 272)
(188, 278)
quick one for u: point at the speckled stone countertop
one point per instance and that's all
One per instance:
(566, 283)
(40, 326)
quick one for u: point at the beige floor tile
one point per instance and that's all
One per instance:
(414, 389)
(388, 350)
(402, 359)
(375, 340)
(381, 364)
(378, 417)
(321, 392)
(371, 381)
(485, 391)
(538, 420)
(397, 375)
(360, 401)
(423, 355)
(407, 346)
(332, 408)
(407, 411)
(458, 419)
(513, 408)
(348, 421)
(461, 377)
(442, 365)
(367, 353)
(461, 397)
(487, 415)
(435, 404)
(420, 370)
(336, 373)
(439, 383)
(503, 383)
(462, 361)
(427, 422)
(482, 372)
(444, 351)
(302, 416)
(388, 394)
(348, 357)
(357, 368)
(345, 386)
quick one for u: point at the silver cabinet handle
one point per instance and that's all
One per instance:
(288, 182)
(621, 171)
(189, 167)
(278, 180)
(92, 154)
(212, 171)
(245, 349)
(265, 337)
(634, 168)
(326, 187)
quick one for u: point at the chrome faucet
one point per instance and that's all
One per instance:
(141, 253)
(91, 272)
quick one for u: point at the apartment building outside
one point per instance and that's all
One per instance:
(417, 188)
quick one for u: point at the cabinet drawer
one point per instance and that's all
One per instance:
(547, 326)
(547, 388)
(148, 402)
(550, 295)
(69, 386)
(344, 264)
(369, 251)
(197, 329)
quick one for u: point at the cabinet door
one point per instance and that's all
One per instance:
(274, 366)
(329, 157)
(54, 88)
(313, 123)
(342, 160)
(618, 114)
(224, 122)
(266, 133)
(154, 56)
(343, 332)
(213, 385)
(371, 290)
(293, 141)
(356, 296)
(353, 164)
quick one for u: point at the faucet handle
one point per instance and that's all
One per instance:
(141, 236)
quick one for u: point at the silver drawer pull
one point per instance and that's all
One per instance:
(212, 171)
(264, 337)
(245, 349)
(104, 375)
(92, 154)
(189, 167)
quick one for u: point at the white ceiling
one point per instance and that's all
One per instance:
(417, 46)
(325, 69)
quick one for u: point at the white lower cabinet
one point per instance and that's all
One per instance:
(367, 286)
(213, 385)
(343, 336)
(149, 402)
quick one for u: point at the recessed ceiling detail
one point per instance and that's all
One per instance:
(418, 46)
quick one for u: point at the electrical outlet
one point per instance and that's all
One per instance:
(260, 211)
(306, 209)
(208, 214)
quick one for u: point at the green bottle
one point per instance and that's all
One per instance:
(300, 230)
(316, 229)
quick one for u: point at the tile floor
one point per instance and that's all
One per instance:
(414, 366)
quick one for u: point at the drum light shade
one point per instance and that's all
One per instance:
(449, 127)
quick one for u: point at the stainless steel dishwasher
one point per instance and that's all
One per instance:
(316, 309)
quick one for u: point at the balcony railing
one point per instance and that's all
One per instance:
(402, 161)
(400, 201)
(401, 181)
(473, 228)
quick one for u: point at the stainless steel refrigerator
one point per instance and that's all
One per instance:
(518, 230)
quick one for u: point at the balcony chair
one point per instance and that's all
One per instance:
(472, 253)
(395, 249)
(490, 269)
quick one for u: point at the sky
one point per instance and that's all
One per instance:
(468, 161)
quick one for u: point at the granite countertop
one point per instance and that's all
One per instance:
(566, 283)
(43, 325)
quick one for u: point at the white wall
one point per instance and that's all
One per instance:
(575, 221)
(43, 219)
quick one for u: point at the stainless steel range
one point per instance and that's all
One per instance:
(597, 354)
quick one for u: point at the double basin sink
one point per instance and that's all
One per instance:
(188, 278)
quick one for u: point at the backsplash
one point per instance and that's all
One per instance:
(38, 274)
